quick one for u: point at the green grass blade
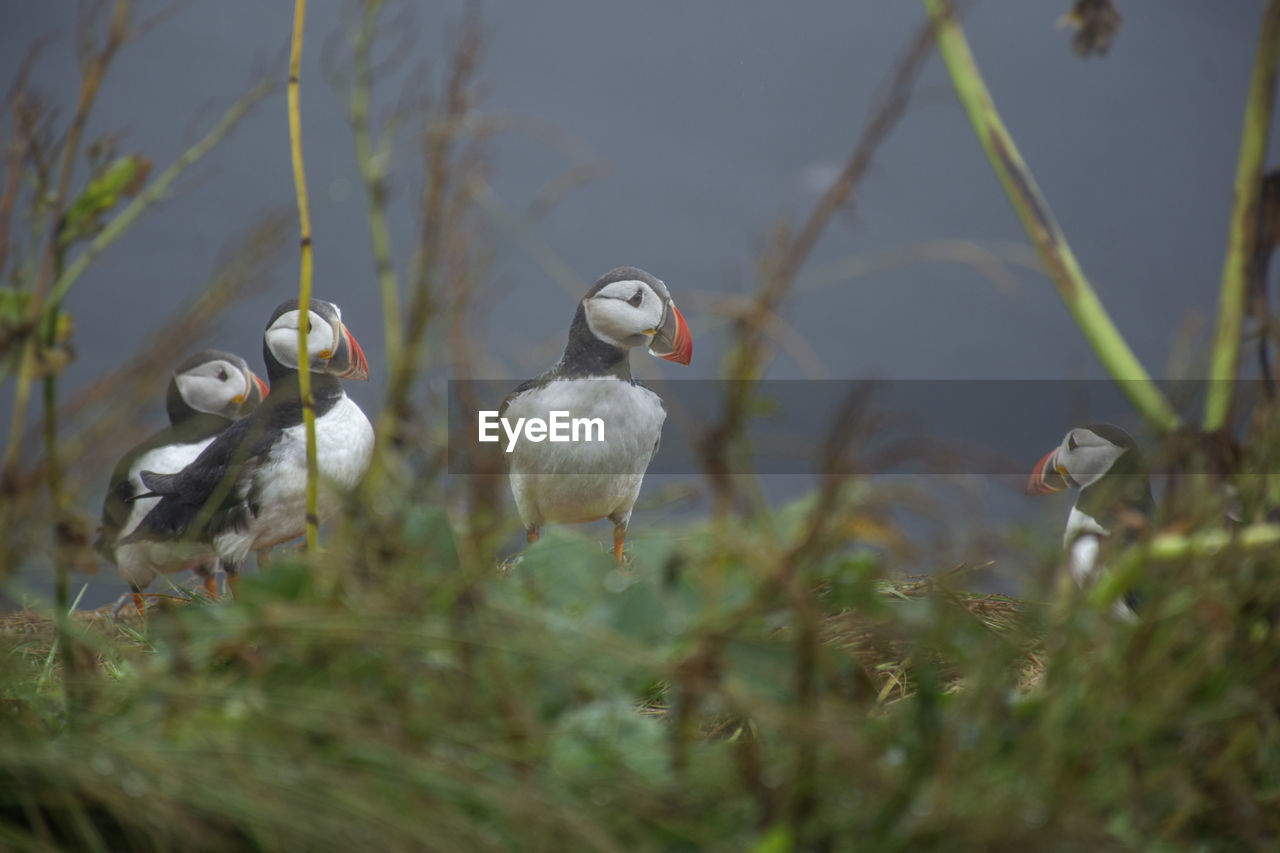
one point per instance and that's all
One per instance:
(1051, 244)
(1244, 215)
(304, 273)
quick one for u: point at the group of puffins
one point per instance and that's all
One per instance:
(228, 475)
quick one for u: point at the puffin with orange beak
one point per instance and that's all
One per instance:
(1103, 463)
(209, 391)
(247, 490)
(599, 475)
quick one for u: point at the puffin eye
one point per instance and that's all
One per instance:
(635, 301)
(1072, 444)
(222, 374)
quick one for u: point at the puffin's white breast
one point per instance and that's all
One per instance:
(169, 459)
(584, 480)
(1083, 542)
(140, 562)
(344, 448)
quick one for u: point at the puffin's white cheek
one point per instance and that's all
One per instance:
(620, 323)
(320, 345)
(198, 391)
(283, 344)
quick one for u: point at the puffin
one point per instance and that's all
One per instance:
(208, 391)
(586, 480)
(246, 491)
(1113, 496)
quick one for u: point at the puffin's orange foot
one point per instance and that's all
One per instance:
(619, 540)
(531, 535)
(211, 587)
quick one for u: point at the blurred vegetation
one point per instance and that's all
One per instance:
(763, 679)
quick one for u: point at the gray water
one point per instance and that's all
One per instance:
(714, 119)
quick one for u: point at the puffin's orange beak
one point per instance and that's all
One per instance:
(672, 340)
(263, 390)
(1045, 477)
(348, 362)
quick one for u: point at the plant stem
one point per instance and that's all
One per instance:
(304, 283)
(1177, 546)
(156, 190)
(92, 72)
(1243, 235)
(373, 171)
(1055, 252)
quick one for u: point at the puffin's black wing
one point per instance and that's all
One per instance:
(516, 392)
(658, 441)
(121, 493)
(115, 507)
(222, 472)
(527, 385)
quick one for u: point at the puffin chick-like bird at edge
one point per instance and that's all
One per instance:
(208, 391)
(247, 490)
(1103, 463)
(580, 481)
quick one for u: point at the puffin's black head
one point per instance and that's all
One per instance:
(213, 382)
(1086, 455)
(331, 348)
(628, 307)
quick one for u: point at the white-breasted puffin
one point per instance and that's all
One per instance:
(247, 490)
(209, 390)
(579, 481)
(1104, 464)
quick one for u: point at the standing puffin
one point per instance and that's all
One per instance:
(579, 481)
(209, 390)
(1104, 464)
(247, 490)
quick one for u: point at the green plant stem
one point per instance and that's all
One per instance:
(304, 276)
(1244, 217)
(115, 229)
(92, 72)
(373, 171)
(156, 190)
(1051, 244)
(1178, 546)
(48, 334)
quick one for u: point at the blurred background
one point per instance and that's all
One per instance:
(839, 620)
(674, 136)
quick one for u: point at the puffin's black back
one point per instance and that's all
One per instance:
(187, 425)
(225, 469)
(196, 427)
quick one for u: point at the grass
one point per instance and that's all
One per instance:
(564, 705)
(763, 679)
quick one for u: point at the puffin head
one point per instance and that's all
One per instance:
(331, 348)
(1086, 455)
(628, 308)
(215, 383)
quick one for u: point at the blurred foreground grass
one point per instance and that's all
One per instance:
(690, 703)
(756, 681)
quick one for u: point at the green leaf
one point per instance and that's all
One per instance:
(776, 840)
(123, 176)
